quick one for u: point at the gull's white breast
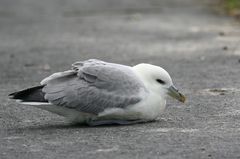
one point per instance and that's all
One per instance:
(148, 109)
(151, 107)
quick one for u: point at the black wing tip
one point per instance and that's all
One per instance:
(11, 95)
(20, 94)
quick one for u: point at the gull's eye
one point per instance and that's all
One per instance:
(160, 81)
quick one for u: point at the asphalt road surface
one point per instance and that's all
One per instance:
(199, 47)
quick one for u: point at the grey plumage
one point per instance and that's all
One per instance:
(93, 86)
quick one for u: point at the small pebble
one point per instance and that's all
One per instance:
(12, 55)
(221, 33)
(225, 48)
(203, 149)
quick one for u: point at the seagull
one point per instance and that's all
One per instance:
(96, 92)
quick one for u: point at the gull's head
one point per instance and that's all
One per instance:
(158, 81)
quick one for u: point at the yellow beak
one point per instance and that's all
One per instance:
(173, 92)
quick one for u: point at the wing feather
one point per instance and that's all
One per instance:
(93, 86)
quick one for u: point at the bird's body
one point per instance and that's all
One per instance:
(96, 92)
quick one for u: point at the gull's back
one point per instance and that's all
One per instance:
(91, 87)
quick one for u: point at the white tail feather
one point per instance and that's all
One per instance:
(34, 103)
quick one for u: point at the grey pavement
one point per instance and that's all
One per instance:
(199, 48)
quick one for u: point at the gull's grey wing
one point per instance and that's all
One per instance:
(93, 86)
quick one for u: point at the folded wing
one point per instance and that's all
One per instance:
(93, 86)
